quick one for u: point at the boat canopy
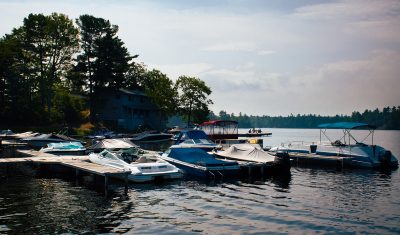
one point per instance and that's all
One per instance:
(220, 129)
(346, 125)
(220, 123)
(247, 152)
(113, 144)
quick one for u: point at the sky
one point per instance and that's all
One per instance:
(275, 57)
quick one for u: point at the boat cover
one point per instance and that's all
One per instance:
(247, 152)
(346, 125)
(113, 144)
(196, 156)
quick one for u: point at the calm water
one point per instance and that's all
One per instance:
(308, 201)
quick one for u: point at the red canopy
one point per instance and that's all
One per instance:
(219, 123)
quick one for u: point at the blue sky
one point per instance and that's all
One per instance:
(259, 57)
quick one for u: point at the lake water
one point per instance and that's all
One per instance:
(308, 201)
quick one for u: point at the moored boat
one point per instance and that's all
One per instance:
(254, 153)
(144, 169)
(151, 136)
(197, 162)
(196, 139)
(113, 144)
(44, 139)
(64, 148)
(348, 151)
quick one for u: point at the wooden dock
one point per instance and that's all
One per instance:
(79, 163)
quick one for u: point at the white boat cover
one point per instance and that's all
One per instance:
(246, 152)
(113, 144)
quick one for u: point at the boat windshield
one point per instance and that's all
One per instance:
(202, 141)
(109, 155)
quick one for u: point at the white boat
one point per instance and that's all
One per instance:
(113, 144)
(246, 152)
(143, 169)
(348, 149)
(254, 153)
(41, 141)
(64, 148)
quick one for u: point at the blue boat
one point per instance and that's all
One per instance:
(196, 139)
(64, 148)
(197, 162)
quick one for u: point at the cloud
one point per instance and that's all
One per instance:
(353, 84)
(303, 56)
(232, 46)
(344, 9)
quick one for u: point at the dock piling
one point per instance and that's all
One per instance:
(105, 185)
(126, 183)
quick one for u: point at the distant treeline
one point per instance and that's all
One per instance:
(387, 118)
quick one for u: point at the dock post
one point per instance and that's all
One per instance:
(126, 183)
(262, 170)
(105, 185)
(76, 176)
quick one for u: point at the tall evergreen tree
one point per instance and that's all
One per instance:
(105, 60)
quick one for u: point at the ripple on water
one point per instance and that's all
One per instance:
(308, 201)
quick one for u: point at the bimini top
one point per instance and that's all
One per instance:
(346, 125)
(220, 123)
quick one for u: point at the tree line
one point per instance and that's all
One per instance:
(387, 118)
(52, 69)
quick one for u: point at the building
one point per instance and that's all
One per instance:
(129, 110)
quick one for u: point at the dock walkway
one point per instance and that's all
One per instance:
(79, 163)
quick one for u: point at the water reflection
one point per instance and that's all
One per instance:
(307, 201)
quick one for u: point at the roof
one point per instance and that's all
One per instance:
(220, 123)
(132, 92)
(346, 125)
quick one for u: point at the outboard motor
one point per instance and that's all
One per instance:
(282, 159)
(313, 148)
(385, 158)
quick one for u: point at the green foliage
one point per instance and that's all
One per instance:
(67, 108)
(36, 57)
(48, 44)
(162, 91)
(193, 99)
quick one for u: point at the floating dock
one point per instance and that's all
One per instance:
(78, 163)
(314, 159)
(252, 135)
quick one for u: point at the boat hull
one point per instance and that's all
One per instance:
(205, 172)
